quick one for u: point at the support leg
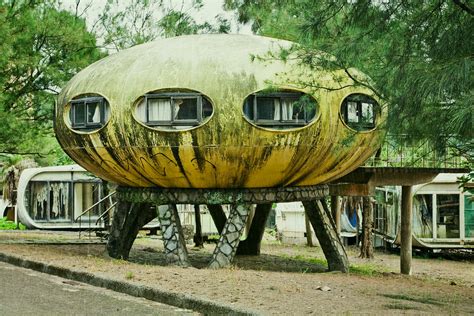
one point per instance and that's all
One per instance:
(198, 240)
(127, 221)
(172, 233)
(406, 231)
(367, 247)
(336, 212)
(309, 232)
(229, 240)
(251, 245)
(324, 227)
(218, 216)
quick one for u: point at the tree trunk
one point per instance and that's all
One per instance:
(367, 247)
(251, 245)
(198, 242)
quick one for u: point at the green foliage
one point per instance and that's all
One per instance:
(142, 21)
(418, 53)
(465, 180)
(5, 224)
(41, 48)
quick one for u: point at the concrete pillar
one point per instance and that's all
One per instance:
(229, 240)
(127, 221)
(309, 232)
(325, 229)
(251, 244)
(406, 230)
(198, 240)
(218, 216)
(336, 212)
(172, 234)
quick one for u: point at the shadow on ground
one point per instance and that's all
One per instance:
(200, 259)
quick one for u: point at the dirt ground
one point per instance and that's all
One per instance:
(282, 280)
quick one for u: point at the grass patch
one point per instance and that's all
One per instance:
(5, 224)
(129, 275)
(312, 260)
(424, 300)
(367, 269)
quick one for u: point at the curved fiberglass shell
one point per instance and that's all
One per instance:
(224, 149)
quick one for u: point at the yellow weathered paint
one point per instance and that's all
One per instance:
(227, 151)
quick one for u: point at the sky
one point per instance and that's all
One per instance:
(90, 9)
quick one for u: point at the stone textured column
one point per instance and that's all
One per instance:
(229, 240)
(320, 217)
(172, 234)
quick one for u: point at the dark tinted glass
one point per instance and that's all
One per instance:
(186, 109)
(265, 108)
(79, 113)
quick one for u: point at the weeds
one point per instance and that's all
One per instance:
(129, 275)
(5, 224)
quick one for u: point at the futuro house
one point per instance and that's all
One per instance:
(216, 111)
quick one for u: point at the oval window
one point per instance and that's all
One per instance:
(281, 109)
(88, 113)
(359, 111)
(173, 109)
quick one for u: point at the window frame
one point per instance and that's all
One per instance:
(293, 96)
(360, 98)
(86, 125)
(29, 197)
(173, 121)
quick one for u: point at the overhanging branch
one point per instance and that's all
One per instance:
(464, 6)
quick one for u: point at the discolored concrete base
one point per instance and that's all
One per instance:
(127, 223)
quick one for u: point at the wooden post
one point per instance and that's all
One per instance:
(336, 212)
(406, 241)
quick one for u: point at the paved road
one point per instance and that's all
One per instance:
(27, 292)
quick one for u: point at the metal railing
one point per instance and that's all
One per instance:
(100, 217)
(397, 151)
